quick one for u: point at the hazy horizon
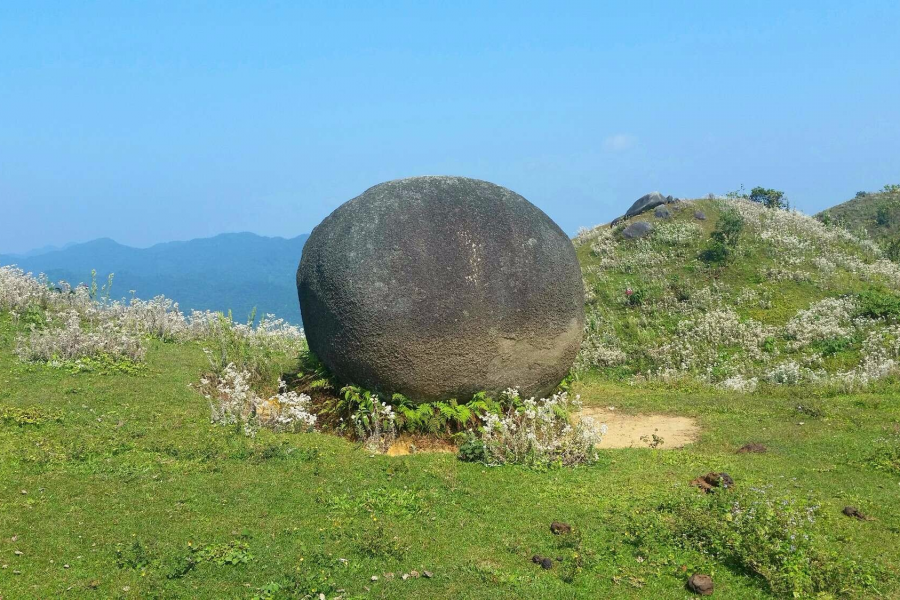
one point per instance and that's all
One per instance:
(149, 124)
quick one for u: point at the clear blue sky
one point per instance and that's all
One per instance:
(148, 122)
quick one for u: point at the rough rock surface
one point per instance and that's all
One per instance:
(441, 287)
(699, 215)
(560, 528)
(637, 230)
(662, 212)
(645, 203)
(700, 584)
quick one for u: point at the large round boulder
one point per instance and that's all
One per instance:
(441, 287)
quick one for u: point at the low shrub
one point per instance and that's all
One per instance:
(775, 537)
(75, 340)
(724, 239)
(540, 433)
(234, 402)
(878, 304)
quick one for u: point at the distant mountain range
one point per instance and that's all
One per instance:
(232, 271)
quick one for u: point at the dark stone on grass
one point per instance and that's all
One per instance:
(560, 528)
(637, 230)
(852, 511)
(536, 559)
(711, 481)
(662, 212)
(752, 448)
(699, 215)
(700, 584)
(547, 563)
(645, 203)
(442, 287)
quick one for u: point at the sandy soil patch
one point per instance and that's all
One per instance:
(409, 444)
(626, 431)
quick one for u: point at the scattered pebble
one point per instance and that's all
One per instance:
(427, 574)
(560, 528)
(18, 553)
(65, 566)
(700, 584)
(545, 562)
(414, 574)
(374, 577)
(405, 576)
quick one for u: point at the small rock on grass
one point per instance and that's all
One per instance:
(700, 584)
(560, 528)
(544, 561)
(753, 448)
(711, 481)
(852, 511)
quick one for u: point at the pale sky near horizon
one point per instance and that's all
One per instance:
(149, 122)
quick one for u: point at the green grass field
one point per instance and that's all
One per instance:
(123, 489)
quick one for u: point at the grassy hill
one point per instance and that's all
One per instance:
(796, 301)
(232, 271)
(116, 483)
(872, 214)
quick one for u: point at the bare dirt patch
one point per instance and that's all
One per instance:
(414, 444)
(637, 431)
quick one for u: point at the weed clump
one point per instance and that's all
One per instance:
(777, 538)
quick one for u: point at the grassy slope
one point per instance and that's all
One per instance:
(859, 215)
(635, 329)
(135, 458)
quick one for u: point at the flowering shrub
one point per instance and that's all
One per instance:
(740, 384)
(233, 402)
(827, 319)
(540, 433)
(698, 342)
(74, 325)
(677, 233)
(71, 343)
